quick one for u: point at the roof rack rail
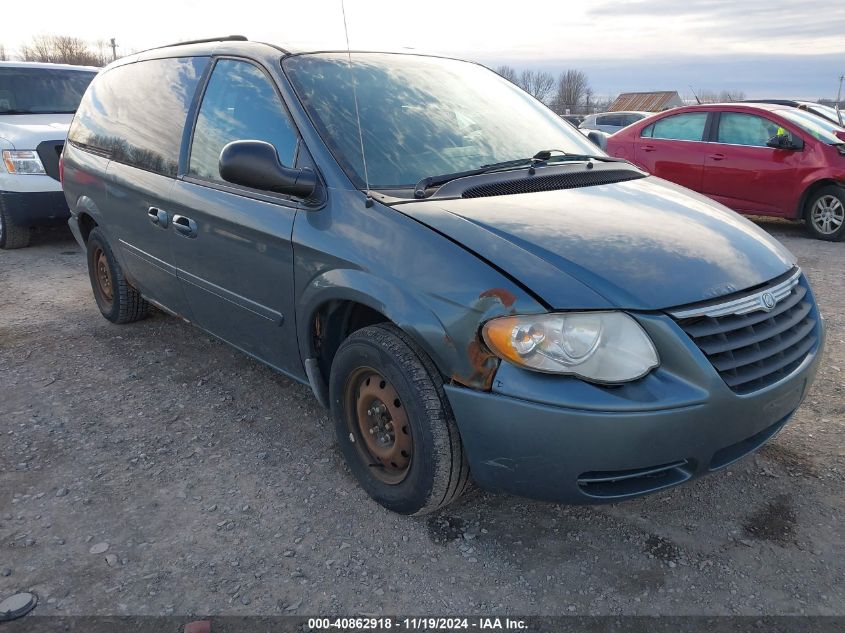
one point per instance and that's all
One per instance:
(225, 38)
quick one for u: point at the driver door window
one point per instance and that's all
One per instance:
(240, 103)
(746, 129)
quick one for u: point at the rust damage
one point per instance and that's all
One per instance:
(484, 364)
(482, 361)
(505, 296)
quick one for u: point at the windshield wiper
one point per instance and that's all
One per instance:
(541, 158)
(15, 112)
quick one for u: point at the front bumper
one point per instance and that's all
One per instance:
(33, 208)
(560, 439)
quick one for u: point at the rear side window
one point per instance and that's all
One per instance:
(136, 113)
(610, 119)
(679, 127)
(240, 104)
(746, 129)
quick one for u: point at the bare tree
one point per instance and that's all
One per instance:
(602, 104)
(62, 49)
(3, 57)
(508, 73)
(538, 84)
(726, 96)
(573, 91)
(722, 96)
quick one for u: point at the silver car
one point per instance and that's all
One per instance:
(611, 122)
(597, 127)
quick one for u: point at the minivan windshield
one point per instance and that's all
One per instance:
(820, 128)
(423, 116)
(41, 90)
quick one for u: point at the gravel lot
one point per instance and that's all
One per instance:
(148, 469)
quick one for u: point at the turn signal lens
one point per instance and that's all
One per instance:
(602, 347)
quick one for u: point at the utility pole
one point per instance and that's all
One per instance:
(113, 49)
(839, 100)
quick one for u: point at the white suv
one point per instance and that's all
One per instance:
(37, 103)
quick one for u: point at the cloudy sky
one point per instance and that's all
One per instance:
(785, 48)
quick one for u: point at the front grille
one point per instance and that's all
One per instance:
(553, 182)
(750, 347)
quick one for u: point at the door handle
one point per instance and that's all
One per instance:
(648, 148)
(717, 156)
(158, 217)
(185, 226)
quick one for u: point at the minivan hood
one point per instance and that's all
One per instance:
(645, 244)
(26, 131)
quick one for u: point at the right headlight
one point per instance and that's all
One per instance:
(603, 347)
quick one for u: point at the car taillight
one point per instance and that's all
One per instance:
(62, 167)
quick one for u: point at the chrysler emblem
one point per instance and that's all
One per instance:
(767, 301)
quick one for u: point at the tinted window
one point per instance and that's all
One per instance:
(239, 104)
(136, 113)
(746, 129)
(41, 90)
(628, 119)
(616, 120)
(679, 127)
(422, 116)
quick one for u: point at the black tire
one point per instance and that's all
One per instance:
(125, 304)
(438, 471)
(814, 213)
(12, 235)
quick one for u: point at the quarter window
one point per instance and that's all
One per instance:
(747, 129)
(239, 104)
(136, 113)
(688, 126)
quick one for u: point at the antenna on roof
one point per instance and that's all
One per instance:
(697, 100)
(369, 201)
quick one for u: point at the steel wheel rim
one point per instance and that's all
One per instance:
(102, 272)
(379, 425)
(828, 214)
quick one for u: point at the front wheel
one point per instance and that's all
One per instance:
(825, 214)
(11, 234)
(394, 422)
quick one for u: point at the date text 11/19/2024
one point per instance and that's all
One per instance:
(417, 624)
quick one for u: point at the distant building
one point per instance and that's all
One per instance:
(646, 101)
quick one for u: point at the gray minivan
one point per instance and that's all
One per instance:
(459, 275)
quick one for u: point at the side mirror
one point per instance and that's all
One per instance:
(256, 164)
(782, 141)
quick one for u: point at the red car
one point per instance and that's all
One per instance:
(754, 158)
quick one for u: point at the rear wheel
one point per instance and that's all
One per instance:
(11, 234)
(394, 423)
(825, 213)
(118, 301)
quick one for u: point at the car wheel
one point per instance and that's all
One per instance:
(11, 234)
(825, 214)
(118, 301)
(394, 423)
